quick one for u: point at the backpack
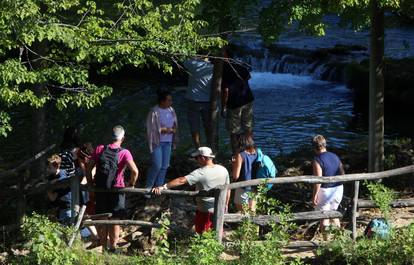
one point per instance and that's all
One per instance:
(263, 167)
(377, 227)
(107, 168)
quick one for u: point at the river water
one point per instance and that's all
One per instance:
(290, 109)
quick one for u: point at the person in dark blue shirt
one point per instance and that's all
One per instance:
(326, 196)
(60, 197)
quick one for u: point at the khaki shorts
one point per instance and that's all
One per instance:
(240, 120)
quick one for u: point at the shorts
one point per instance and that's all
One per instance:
(110, 203)
(203, 221)
(240, 120)
(241, 196)
(195, 111)
(329, 198)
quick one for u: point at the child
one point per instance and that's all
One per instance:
(60, 197)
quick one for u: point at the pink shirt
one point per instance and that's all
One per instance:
(123, 156)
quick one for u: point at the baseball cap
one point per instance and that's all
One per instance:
(203, 151)
(118, 132)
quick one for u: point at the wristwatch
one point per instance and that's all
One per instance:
(164, 187)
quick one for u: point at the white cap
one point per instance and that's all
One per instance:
(203, 151)
(118, 132)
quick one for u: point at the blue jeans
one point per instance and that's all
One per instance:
(160, 162)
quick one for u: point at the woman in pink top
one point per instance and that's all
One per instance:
(162, 137)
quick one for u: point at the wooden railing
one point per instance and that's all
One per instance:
(220, 216)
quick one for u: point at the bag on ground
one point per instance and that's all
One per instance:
(377, 227)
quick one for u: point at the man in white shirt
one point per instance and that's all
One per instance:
(208, 176)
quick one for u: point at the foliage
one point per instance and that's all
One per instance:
(268, 251)
(47, 47)
(397, 249)
(46, 242)
(382, 196)
(225, 15)
(307, 16)
(161, 236)
(204, 249)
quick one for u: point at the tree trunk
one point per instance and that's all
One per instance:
(38, 136)
(376, 90)
(39, 124)
(213, 134)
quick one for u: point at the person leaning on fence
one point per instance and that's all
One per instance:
(69, 148)
(207, 177)
(61, 198)
(326, 196)
(111, 161)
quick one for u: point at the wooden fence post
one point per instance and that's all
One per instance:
(74, 189)
(78, 223)
(219, 209)
(21, 201)
(355, 210)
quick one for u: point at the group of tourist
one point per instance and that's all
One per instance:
(104, 166)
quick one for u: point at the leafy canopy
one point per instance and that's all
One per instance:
(47, 46)
(307, 16)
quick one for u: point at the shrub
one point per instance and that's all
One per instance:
(397, 249)
(204, 249)
(46, 242)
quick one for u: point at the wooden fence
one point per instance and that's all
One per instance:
(221, 217)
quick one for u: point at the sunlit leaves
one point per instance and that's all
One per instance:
(51, 43)
(5, 127)
(307, 16)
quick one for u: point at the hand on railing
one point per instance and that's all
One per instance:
(158, 190)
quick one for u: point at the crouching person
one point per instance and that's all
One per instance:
(59, 197)
(208, 176)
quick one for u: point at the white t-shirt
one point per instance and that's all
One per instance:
(207, 178)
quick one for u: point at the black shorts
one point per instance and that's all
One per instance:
(111, 203)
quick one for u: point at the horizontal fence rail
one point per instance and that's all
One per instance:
(319, 180)
(220, 193)
(266, 219)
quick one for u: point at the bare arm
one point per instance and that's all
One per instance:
(341, 169)
(224, 97)
(173, 183)
(134, 172)
(236, 166)
(227, 200)
(317, 171)
(88, 171)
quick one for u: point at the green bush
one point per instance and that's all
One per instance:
(382, 196)
(268, 251)
(46, 242)
(397, 249)
(205, 249)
